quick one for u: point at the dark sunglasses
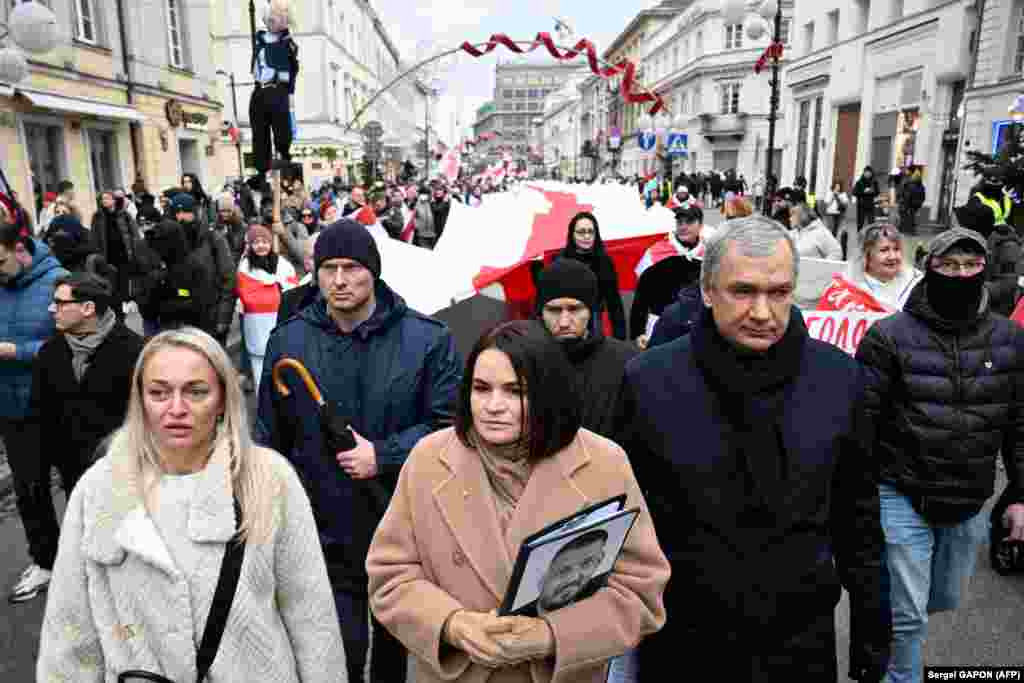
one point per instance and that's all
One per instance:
(64, 302)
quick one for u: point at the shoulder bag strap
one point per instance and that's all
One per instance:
(223, 596)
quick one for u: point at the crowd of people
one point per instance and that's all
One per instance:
(382, 494)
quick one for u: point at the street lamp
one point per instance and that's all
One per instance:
(433, 90)
(734, 12)
(234, 105)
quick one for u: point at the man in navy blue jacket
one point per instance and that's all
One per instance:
(394, 375)
(745, 440)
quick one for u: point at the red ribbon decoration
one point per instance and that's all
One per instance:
(624, 67)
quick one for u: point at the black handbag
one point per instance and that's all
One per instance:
(223, 596)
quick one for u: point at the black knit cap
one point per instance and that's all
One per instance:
(570, 279)
(347, 239)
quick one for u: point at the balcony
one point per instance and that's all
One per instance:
(724, 126)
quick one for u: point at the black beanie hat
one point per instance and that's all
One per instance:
(347, 239)
(567, 278)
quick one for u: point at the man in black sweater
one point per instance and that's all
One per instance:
(567, 296)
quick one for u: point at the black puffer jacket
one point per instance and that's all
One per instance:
(943, 399)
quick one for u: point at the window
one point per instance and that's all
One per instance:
(85, 23)
(803, 129)
(784, 27)
(733, 36)
(507, 94)
(730, 98)
(520, 106)
(815, 147)
(106, 171)
(862, 14)
(533, 93)
(833, 27)
(533, 106)
(46, 153)
(698, 101)
(174, 34)
(1018, 43)
(808, 37)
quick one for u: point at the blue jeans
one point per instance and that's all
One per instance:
(928, 566)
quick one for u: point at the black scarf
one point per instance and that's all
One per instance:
(752, 389)
(267, 263)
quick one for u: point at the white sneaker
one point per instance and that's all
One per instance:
(34, 581)
(25, 573)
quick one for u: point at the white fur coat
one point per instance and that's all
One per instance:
(117, 601)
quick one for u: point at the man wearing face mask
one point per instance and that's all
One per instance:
(943, 400)
(209, 253)
(567, 297)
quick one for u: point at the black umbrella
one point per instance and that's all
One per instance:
(336, 435)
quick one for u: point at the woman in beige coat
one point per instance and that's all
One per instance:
(516, 461)
(146, 529)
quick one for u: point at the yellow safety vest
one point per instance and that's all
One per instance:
(1001, 213)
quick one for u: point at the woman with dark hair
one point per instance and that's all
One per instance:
(204, 205)
(515, 462)
(583, 243)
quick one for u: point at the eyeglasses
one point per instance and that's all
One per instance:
(307, 215)
(58, 303)
(954, 267)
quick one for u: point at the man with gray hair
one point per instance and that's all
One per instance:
(744, 437)
(945, 378)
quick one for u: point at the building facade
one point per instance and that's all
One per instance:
(520, 94)
(877, 83)
(561, 128)
(115, 104)
(704, 69)
(996, 79)
(632, 43)
(346, 57)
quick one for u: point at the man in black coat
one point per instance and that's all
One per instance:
(81, 381)
(744, 437)
(660, 277)
(866, 191)
(567, 296)
(209, 252)
(944, 398)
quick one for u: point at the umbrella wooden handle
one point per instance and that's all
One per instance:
(304, 375)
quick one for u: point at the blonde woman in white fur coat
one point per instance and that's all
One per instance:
(146, 529)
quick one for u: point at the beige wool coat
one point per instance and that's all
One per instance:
(439, 549)
(117, 601)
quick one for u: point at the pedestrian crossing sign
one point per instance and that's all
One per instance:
(647, 140)
(677, 144)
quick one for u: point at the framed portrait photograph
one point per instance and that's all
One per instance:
(560, 567)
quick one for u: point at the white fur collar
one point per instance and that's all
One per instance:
(116, 520)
